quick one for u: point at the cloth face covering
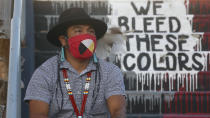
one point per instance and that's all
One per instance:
(82, 46)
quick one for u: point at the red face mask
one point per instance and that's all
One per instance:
(82, 46)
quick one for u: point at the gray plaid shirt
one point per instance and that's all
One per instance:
(44, 86)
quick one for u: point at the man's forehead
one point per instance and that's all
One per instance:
(81, 26)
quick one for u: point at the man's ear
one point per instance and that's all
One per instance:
(62, 40)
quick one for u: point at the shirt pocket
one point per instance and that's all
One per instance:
(99, 110)
(63, 102)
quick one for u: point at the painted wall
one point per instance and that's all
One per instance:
(161, 46)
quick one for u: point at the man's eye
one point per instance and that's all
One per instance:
(92, 31)
(78, 30)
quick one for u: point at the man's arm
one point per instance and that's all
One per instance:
(38, 109)
(117, 106)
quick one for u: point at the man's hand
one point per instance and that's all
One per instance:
(116, 105)
(38, 109)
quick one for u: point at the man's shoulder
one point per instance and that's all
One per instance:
(108, 65)
(49, 64)
(50, 61)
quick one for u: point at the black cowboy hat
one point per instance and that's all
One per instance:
(75, 16)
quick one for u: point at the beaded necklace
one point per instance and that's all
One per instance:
(71, 97)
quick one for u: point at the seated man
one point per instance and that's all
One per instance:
(75, 83)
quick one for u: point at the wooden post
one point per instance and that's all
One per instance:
(5, 17)
(4, 62)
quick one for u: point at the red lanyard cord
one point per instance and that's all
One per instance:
(71, 97)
